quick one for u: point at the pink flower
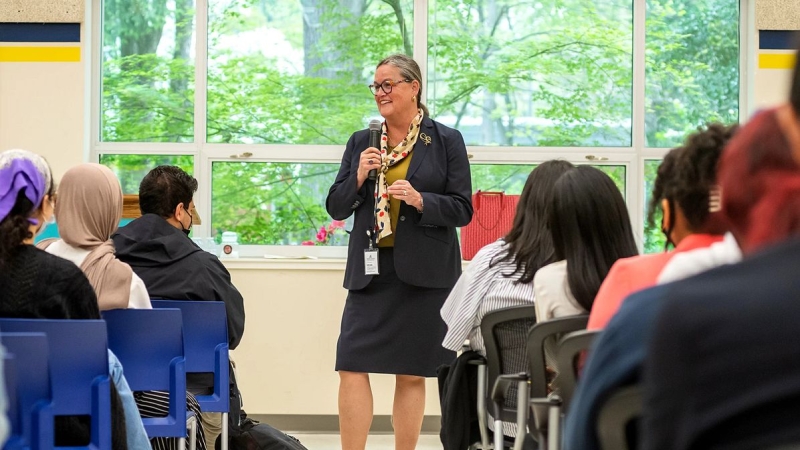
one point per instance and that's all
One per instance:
(337, 224)
(308, 243)
(322, 235)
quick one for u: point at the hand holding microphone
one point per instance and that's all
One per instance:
(374, 142)
(370, 160)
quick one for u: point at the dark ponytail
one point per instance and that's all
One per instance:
(15, 228)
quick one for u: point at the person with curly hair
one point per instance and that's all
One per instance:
(686, 192)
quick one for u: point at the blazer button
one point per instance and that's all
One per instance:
(402, 218)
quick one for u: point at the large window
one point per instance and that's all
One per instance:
(257, 98)
(533, 73)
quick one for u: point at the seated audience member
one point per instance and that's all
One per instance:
(618, 354)
(591, 230)
(88, 212)
(501, 274)
(158, 248)
(89, 209)
(685, 178)
(723, 366)
(35, 284)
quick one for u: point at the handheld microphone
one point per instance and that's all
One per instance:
(374, 141)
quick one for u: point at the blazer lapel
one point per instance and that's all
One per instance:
(424, 140)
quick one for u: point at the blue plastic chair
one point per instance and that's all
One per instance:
(16, 437)
(78, 360)
(27, 376)
(149, 344)
(205, 342)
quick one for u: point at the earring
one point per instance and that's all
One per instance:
(414, 98)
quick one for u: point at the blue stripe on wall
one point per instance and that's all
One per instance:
(778, 39)
(40, 32)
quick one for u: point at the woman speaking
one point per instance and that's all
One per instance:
(403, 256)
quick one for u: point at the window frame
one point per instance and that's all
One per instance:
(205, 154)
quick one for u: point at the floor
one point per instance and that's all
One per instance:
(374, 442)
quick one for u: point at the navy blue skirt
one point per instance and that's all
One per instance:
(393, 327)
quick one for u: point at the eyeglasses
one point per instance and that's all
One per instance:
(386, 86)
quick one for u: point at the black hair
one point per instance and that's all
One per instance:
(591, 229)
(664, 176)
(15, 227)
(530, 244)
(163, 188)
(693, 176)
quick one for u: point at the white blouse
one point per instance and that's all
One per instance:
(553, 297)
(687, 264)
(139, 299)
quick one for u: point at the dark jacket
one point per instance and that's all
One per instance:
(172, 266)
(426, 250)
(458, 397)
(614, 362)
(723, 365)
(38, 285)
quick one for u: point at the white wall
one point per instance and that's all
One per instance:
(42, 110)
(286, 358)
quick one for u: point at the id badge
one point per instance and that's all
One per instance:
(371, 261)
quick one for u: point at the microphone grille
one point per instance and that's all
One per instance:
(375, 125)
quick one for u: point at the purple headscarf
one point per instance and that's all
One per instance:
(22, 171)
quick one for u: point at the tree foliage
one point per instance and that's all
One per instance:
(504, 72)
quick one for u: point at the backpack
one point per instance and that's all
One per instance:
(245, 433)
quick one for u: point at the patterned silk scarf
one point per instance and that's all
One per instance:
(389, 159)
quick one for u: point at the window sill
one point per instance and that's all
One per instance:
(284, 263)
(287, 263)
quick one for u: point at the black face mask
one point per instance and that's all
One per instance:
(186, 231)
(667, 228)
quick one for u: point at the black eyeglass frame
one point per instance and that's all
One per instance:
(386, 86)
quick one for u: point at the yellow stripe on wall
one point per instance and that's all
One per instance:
(40, 54)
(776, 60)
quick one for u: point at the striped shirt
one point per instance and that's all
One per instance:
(481, 290)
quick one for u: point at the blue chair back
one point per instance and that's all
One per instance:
(205, 341)
(16, 438)
(78, 359)
(27, 376)
(149, 344)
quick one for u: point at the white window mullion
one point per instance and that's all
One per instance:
(747, 58)
(96, 63)
(202, 167)
(420, 35)
(636, 194)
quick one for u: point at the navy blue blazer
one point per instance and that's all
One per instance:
(723, 364)
(426, 250)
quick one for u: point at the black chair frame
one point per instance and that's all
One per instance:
(500, 383)
(545, 417)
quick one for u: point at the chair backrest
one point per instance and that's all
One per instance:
(149, 344)
(78, 360)
(205, 329)
(205, 343)
(623, 408)
(16, 438)
(27, 376)
(537, 337)
(571, 347)
(504, 334)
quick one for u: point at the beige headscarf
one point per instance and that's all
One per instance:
(88, 211)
